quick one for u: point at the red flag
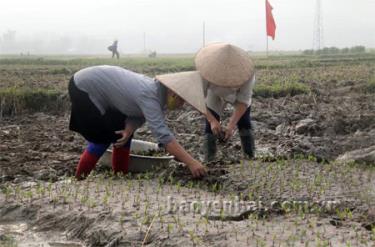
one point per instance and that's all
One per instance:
(271, 25)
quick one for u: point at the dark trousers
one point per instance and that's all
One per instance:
(243, 123)
(87, 120)
(115, 52)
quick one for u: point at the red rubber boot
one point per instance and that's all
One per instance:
(86, 164)
(120, 159)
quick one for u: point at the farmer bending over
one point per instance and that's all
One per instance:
(228, 77)
(109, 103)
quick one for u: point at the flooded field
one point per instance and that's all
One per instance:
(312, 183)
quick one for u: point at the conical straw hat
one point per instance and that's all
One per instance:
(224, 65)
(187, 85)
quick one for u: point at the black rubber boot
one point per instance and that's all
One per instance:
(209, 147)
(247, 142)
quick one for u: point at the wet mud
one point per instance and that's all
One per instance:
(298, 140)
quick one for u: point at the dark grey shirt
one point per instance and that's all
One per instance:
(137, 96)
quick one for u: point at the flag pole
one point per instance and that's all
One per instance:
(266, 30)
(270, 23)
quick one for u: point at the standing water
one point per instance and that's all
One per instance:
(21, 235)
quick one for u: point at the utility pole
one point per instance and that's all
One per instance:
(144, 42)
(204, 34)
(318, 27)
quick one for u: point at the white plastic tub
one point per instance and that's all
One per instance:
(140, 163)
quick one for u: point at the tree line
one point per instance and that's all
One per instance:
(335, 50)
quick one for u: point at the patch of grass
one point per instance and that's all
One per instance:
(62, 70)
(370, 86)
(280, 89)
(16, 100)
(7, 241)
(149, 66)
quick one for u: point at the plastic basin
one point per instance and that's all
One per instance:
(140, 163)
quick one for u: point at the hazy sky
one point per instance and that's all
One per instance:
(173, 26)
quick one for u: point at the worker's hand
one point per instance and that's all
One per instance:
(126, 134)
(229, 131)
(197, 169)
(215, 127)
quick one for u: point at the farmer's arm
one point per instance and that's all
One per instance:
(196, 168)
(240, 109)
(215, 125)
(131, 125)
(243, 101)
(154, 116)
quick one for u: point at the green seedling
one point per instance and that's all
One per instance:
(169, 229)
(7, 191)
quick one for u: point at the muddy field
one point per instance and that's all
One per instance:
(300, 194)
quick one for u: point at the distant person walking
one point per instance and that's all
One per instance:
(113, 49)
